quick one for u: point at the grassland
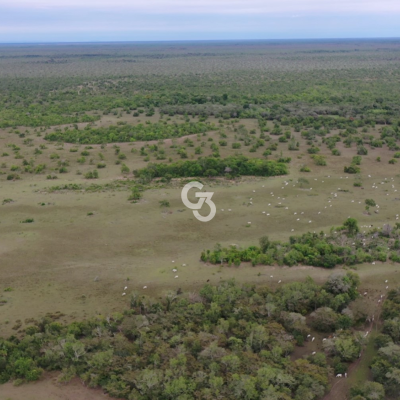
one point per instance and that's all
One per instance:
(88, 241)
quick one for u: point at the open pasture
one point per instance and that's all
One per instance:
(84, 244)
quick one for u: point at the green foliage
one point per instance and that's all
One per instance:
(239, 165)
(362, 151)
(7, 201)
(351, 225)
(352, 169)
(313, 150)
(128, 133)
(356, 160)
(370, 202)
(368, 391)
(135, 194)
(311, 249)
(221, 342)
(319, 160)
(124, 169)
(92, 174)
(164, 203)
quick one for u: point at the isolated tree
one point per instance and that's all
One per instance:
(352, 226)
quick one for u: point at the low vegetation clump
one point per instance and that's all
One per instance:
(344, 245)
(7, 201)
(92, 174)
(136, 194)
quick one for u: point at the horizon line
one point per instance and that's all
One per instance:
(201, 40)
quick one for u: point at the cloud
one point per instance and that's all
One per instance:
(65, 20)
(215, 6)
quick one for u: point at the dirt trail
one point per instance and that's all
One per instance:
(48, 389)
(341, 387)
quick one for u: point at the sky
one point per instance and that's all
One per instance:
(23, 21)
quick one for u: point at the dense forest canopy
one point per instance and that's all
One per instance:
(224, 341)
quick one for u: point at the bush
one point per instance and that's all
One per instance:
(319, 160)
(13, 177)
(313, 150)
(124, 169)
(135, 195)
(353, 169)
(92, 174)
(362, 151)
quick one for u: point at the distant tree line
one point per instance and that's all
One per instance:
(128, 133)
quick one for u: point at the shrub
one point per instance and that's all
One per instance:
(353, 169)
(313, 150)
(370, 202)
(135, 195)
(13, 177)
(124, 169)
(362, 151)
(319, 160)
(92, 174)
